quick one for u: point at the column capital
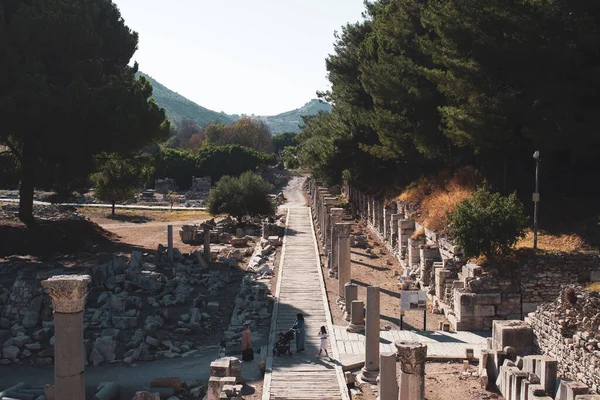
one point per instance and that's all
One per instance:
(412, 356)
(67, 292)
(343, 229)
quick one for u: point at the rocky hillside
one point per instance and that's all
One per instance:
(179, 108)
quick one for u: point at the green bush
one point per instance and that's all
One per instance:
(247, 195)
(487, 224)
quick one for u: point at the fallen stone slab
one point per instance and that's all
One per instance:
(174, 383)
(108, 391)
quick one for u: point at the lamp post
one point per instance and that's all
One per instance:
(536, 198)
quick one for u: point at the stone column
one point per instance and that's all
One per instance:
(394, 230)
(357, 323)
(335, 218)
(387, 235)
(412, 357)
(327, 204)
(351, 294)
(68, 293)
(344, 257)
(380, 212)
(372, 212)
(206, 242)
(370, 371)
(387, 381)
(323, 192)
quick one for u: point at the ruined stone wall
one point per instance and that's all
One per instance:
(569, 333)
(542, 279)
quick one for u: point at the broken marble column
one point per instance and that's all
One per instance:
(357, 320)
(394, 218)
(387, 381)
(370, 371)
(335, 218)
(68, 294)
(344, 257)
(328, 205)
(351, 294)
(412, 356)
(323, 192)
(387, 214)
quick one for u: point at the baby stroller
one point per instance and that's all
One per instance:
(282, 346)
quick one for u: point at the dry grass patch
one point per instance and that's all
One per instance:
(146, 215)
(548, 242)
(438, 196)
(593, 287)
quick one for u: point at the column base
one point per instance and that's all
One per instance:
(355, 328)
(368, 376)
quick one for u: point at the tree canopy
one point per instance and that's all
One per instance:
(67, 92)
(246, 195)
(420, 85)
(245, 132)
(119, 178)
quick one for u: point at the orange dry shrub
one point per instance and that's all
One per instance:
(439, 204)
(416, 192)
(438, 196)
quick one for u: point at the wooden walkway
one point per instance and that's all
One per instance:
(301, 289)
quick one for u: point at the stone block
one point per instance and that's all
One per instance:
(546, 369)
(488, 298)
(220, 367)
(568, 389)
(514, 333)
(587, 397)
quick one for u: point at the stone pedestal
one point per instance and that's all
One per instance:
(370, 371)
(357, 323)
(344, 257)
(68, 293)
(387, 381)
(412, 357)
(351, 291)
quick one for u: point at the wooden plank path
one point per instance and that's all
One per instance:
(301, 289)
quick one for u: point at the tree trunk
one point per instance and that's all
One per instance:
(505, 176)
(26, 198)
(26, 188)
(113, 207)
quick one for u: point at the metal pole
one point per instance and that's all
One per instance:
(535, 205)
(401, 322)
(424, 320)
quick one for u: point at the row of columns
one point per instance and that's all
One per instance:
(387, 221)
(335, 236)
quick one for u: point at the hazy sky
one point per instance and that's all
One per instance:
(258, 57)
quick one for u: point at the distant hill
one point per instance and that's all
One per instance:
(289, 121)
(179, 108)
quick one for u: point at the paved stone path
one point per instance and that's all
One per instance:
(440, 345)
(301, 289)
